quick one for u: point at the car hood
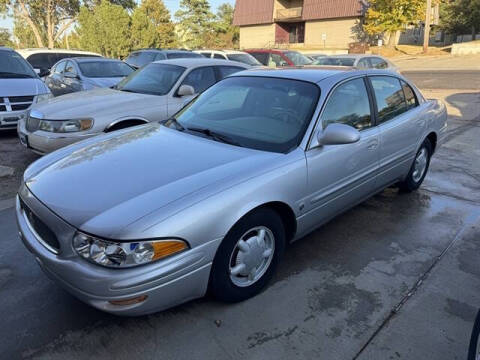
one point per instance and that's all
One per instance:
(22, 87)
(94, 103)
(104, 82)
(115, 180)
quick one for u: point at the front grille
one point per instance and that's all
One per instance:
(32, 124)
(15, 103)
(43, 231)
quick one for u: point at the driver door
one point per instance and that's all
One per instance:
(340, 176)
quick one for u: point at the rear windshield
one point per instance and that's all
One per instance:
(244, 58)
(297, 58)
(104, 69)
(335, 61)
(12, 65)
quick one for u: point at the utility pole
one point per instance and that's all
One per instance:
(426, 32)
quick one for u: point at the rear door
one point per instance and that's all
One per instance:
(400, 124)
(339, 176)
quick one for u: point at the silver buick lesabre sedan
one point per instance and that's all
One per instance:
(142, 219)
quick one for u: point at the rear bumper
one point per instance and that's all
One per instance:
(165, 283)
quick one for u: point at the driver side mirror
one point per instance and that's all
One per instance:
(185, 90)
(338, 134)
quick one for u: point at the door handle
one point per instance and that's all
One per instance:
(372, 145)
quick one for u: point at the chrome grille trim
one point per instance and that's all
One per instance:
(15, 103)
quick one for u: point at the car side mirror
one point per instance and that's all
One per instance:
(186, 90)
(70, 75)
(43, 72)
(338, 134)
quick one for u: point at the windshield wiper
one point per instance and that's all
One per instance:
(12, 74)
(214, 135)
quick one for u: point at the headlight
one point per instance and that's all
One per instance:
(43, 97)
(125, 254)
(65, 126)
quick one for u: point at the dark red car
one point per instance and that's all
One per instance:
(275, 57)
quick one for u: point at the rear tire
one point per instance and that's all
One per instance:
(419, 168)
(244, 263)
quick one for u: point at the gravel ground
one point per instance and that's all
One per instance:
(13, 155)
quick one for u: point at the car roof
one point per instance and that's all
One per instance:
(4, 48)
(220, 51)
(163, 50)
(194, 62)
(313, 74)
(91, 58)
(268, 50)
(31, 51)
(353, 56)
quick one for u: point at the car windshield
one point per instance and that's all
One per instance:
(104, 69)
(335, 61)
(297, 58)
(153, 79)
(261, 113)
(12, 65)
(244, 58)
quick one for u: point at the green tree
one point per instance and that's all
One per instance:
(391, 16)
(105, 29)
(5, 38)
(152, 27)
(227, 34)
(460, 16)
(24, 34)
(194, 22)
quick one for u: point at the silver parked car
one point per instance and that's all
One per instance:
(153, 93)
(85, 73)
(358, 61)
(209, 198)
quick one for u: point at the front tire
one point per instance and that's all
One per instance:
(247, 257)
(419, 168)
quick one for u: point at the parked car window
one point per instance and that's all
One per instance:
(261, 57)
(378, 63)
(277, 60)
(160, 56)
(218, 56)
(200, 79)
(70, 68)
(207, 54)
(335, 61)
(389, 96)
(349, 104)
(104, 69)
(363, 64)
(244, 58)
(269, 114)
(409, 95)
(228, 70)
(42, 60)
(12, 65)
(153, 79)
(182, 55)
(297, 58)
(59, 67)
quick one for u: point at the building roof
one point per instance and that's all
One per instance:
(256, 12)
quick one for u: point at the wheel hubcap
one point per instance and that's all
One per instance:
(420, 165)
(252, 256)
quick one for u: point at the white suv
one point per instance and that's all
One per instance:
(232, 55)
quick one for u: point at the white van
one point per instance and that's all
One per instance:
(20, 87)
(43, 59)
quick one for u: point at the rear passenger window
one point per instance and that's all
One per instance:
(228, 70)
(160, 56)
(409, 96)
(389, 96)
(261, 57)
(200, 79)
(378, 63)
(218, 56)
(363, 64)
(59, 68)
(349, 105)
(206, 54)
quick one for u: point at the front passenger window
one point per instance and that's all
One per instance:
(200, 79)
(349, 104)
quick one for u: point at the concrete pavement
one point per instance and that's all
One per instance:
(332, 298)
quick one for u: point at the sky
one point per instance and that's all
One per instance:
(172, 5)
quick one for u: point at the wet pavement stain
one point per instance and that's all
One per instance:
(461, 310)
(259, 338)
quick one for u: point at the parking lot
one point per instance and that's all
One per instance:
(395, 277)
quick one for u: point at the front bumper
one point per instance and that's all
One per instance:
(166, 283)
(9, 120)
(44, 142)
